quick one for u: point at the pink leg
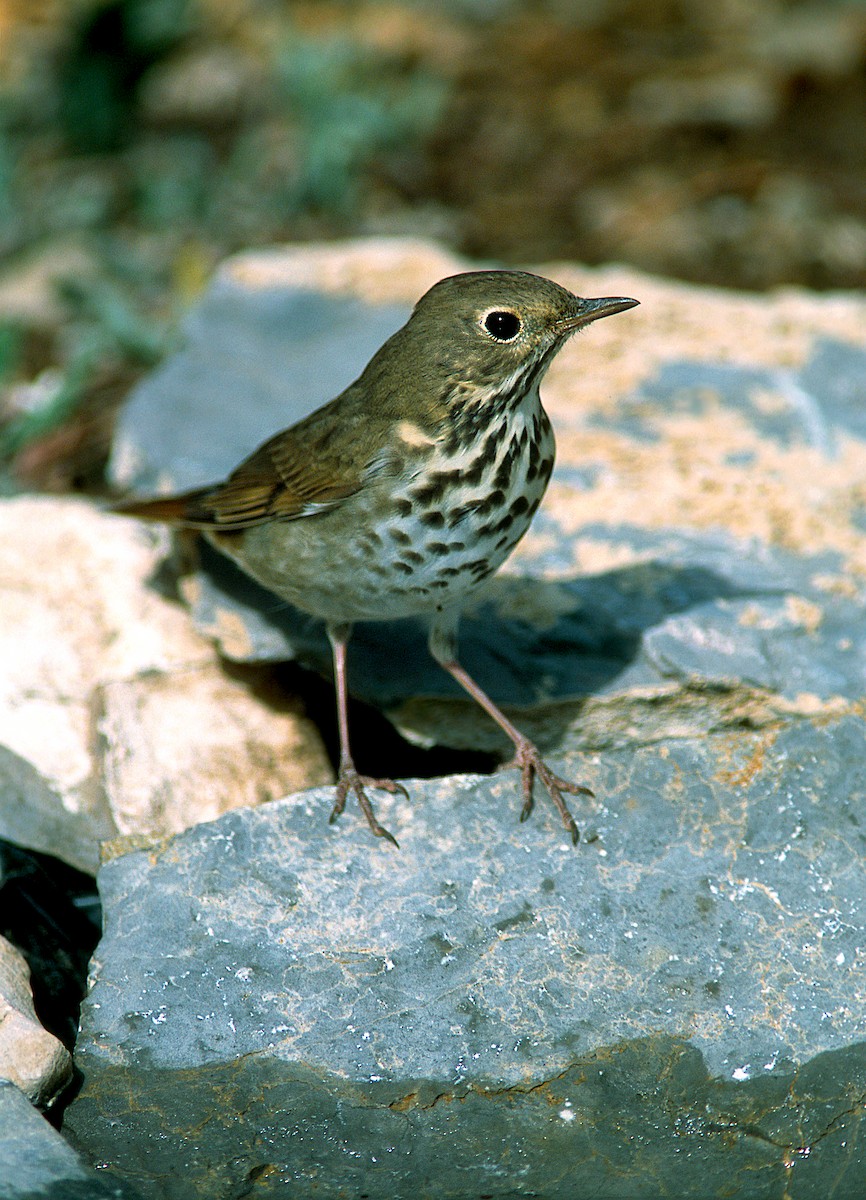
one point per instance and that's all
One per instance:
(527, 756)
(348, 779)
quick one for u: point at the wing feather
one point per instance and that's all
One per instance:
(295, 474)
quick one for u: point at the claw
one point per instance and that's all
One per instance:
(351, 781)
(529, 762)
(527, 757)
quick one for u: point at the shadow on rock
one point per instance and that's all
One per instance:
(528, 641)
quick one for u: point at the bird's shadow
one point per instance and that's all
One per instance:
(527, 641)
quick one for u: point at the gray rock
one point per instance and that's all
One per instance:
(702, 534)
(35, 1161)
(674, 1009)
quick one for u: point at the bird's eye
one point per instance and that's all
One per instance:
(504, 326)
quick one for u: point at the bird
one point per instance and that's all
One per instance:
(403, 494)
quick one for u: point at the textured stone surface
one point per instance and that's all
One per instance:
(676, 1009)
(672, 1010)
(96, 664)
(186, 746)
(36, 1162)
(699, 559)
(30, 1057)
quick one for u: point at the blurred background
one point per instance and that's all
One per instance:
(718, 141)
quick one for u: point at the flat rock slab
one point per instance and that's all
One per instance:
(36, 1162)
(699, 558)
(280, 1007)
(673, 1010)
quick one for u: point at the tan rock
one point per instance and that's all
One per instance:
(30, 1057)
(186, 747)
(91, 651)
(379, 270)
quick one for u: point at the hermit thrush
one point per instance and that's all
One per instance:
(400, 496)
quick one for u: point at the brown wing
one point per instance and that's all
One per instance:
(294, 474)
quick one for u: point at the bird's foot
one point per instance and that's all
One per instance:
(529, 762)
(350, 781)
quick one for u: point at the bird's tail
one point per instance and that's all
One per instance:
(185, 508)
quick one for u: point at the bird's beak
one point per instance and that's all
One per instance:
(592, 310)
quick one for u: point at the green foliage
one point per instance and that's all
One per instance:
(7, 175)
(112, 44)
(352, 107)
(113, 324)
(139, 196)
(59, 407)
(10, 214)
(172, 182)
(106, 325)
(10, 350)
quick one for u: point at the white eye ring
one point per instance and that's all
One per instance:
(501, 324)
